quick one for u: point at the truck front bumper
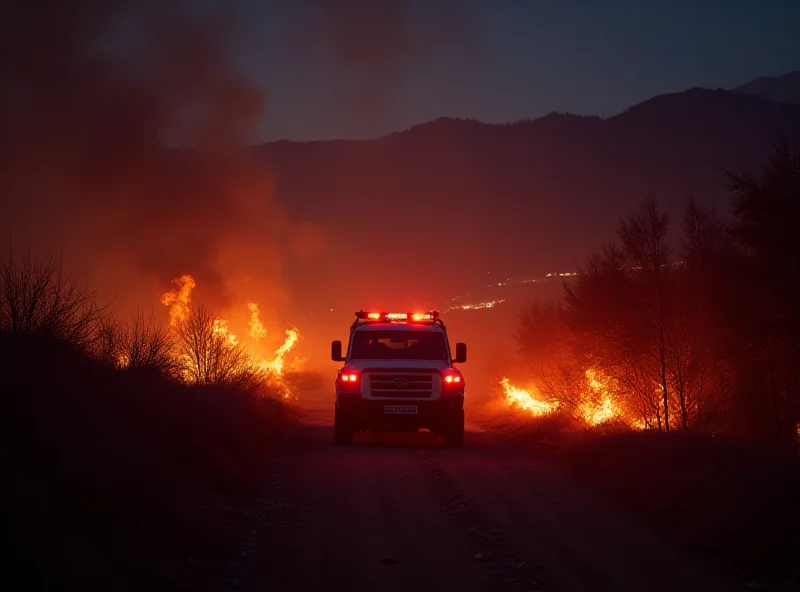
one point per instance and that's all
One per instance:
(370, 415)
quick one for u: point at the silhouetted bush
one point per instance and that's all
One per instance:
(38, 298)
(117, 478)
(139, 344)
(120, 470)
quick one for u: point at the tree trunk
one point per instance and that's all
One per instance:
(662, 354)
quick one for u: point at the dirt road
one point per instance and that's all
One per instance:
(400, 512)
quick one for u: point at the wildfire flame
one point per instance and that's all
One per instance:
(272, 367)
(221, 328)
(598, 402)
(277, 362)
(178, 299)
(257, 331)
(599, 406)
(525, 399)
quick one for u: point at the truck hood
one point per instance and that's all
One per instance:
(400, 364)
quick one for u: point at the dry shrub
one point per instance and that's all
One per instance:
(38, 298)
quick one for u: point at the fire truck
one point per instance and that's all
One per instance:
(399, 375)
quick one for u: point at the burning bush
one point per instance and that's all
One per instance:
(36, 298)
(208, 352)
(705, 340)
(209, 355)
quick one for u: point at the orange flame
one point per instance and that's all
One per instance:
(598, 404)
(526, 399)
(221, 328)
(277, 362)
(257, 330)
(178, 300)
(123, 360)
(599, 401)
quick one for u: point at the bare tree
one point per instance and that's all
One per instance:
(107, 342)
(703, 235)
(209, 357)
(38, 298)
(693, 327)
(766, 218)
(643, 236)
(605, 314)
(684, 356)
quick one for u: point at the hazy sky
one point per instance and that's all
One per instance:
(509, 59)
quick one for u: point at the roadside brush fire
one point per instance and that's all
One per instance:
(203, 348)
(211, 349)
(596, 400)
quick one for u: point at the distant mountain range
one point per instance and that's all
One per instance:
(427, 212)
(781, 89)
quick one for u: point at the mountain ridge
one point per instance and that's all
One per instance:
(513, 199)
(754, 89)
(781, 89)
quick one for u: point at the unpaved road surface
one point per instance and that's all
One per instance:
(401, 512)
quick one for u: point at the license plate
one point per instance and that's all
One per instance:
(400, 409)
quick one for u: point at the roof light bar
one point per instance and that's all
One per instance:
(397, 316)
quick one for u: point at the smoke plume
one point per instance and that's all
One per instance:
(123, 133)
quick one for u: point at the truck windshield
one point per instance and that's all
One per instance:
(398, 345)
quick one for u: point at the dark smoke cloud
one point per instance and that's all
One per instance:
(378, 43)
(90, 92)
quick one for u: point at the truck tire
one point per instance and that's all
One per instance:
(454, 434)
(341, 431)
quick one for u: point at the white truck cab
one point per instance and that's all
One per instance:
(399, 375)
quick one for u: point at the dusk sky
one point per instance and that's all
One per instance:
(500, 60)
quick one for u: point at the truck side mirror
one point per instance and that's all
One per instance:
(336, 351)
(461, 353)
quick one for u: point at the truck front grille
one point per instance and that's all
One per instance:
(401, 385)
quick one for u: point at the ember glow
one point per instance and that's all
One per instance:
(272, 366)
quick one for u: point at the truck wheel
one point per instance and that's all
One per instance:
(454, 434)
(341, 431)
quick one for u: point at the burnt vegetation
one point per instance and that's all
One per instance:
(699, 339)
(124, 470)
